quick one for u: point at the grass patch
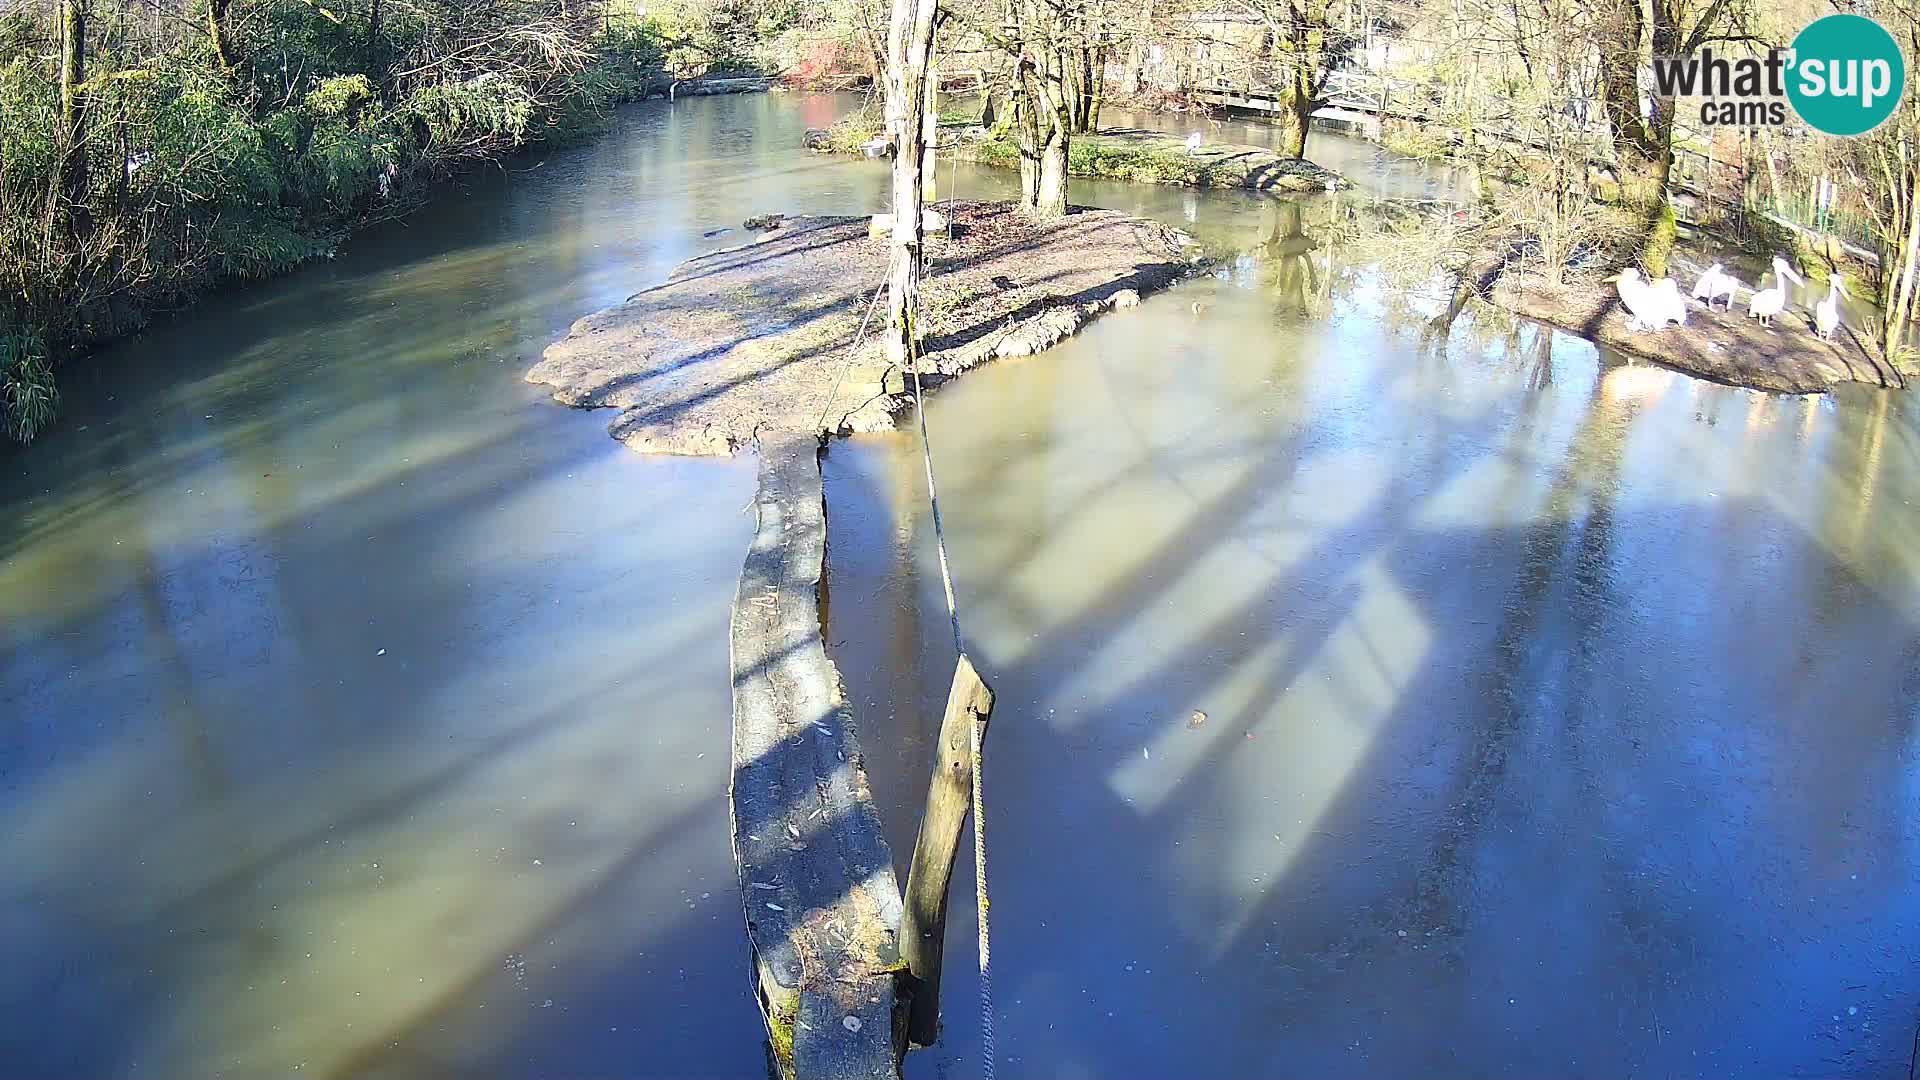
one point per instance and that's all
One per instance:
(1093, 156)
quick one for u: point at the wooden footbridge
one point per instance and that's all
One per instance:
(1356, 99)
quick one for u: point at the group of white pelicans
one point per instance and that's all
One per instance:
(1655, 304)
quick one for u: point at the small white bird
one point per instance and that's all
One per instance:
(1652, 305)
(1714, 284)
(1767, 303)
(1826, 314)
(1194, 142)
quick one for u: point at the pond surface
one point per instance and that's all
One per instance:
(366, 713)
(1372, 705)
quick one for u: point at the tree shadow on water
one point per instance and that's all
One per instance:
(1541, 790)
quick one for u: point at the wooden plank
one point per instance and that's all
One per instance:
(949, 798)
(822, 902)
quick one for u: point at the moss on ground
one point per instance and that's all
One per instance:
(1143, 157)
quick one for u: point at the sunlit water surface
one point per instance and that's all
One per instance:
(1372, 704)
(366, 713)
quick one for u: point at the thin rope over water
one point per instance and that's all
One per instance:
(980, 901)
(933, 493)
(987, 1054)
(852, 351)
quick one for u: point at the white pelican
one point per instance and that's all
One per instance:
(1193, 143)
(1767, 303)
(1672, 308)
(1652, 306)
(1826, 314)
(1713, 285)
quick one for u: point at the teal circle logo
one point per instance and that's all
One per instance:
(1846, 75)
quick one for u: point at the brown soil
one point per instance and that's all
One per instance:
(1725, 346)
(756, 337)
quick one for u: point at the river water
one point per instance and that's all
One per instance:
(366, 714)
(1372, 705)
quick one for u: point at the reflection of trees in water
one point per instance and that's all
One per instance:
(1313, 250)
(1286, 257)
(1399, 261)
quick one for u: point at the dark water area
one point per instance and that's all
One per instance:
(366, 714)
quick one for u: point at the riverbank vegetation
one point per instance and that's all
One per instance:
(1153, 158)
(1576, 161)
(149, 150)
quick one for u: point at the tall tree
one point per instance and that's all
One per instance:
(909, 106)
(1042, 114)
(1041, 42)
(1886, 169)
(1303, 45)
(71, 192)
(1643, 141)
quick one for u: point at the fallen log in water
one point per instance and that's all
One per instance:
(822, 902)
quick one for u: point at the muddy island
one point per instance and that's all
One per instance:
(761, 344)
(756, 338)
(1730, 347)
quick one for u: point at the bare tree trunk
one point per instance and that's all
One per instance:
(71, 193)
(1044, 139)
(1099, 89)
(1086, 89)
(909, 49)
(1050, 196)
(1302, 103)
(217, 34)
(1302, 121)
(1893, 317)
(1643, 147)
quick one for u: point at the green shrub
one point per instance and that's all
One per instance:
(197, 174)
(28, 396)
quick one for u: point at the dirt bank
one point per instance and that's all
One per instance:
(1724, 346)
(756, 337)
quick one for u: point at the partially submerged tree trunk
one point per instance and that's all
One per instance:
(909, 50)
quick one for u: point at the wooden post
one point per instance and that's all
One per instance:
(923, 926)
